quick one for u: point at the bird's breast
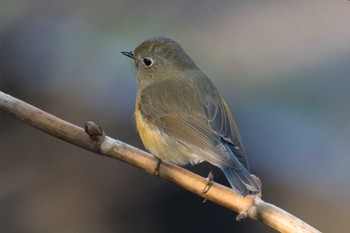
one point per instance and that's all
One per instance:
(160, 144)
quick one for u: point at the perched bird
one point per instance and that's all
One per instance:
(181, 116)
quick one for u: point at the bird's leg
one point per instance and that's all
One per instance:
(209, 183)
(156, 167)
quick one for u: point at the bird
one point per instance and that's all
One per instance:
(182, 118)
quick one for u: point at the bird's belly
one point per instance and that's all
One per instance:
(162, 145)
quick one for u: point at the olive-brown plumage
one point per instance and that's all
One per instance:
(180, 115)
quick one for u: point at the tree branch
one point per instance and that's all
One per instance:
(251, 206)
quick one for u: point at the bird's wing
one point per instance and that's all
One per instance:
(221, 122)
(198, 127)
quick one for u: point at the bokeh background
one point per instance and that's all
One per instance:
(283, 67)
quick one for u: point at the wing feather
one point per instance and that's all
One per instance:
(197, 125)
(222, 123)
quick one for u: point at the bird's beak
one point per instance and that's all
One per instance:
(129, 54)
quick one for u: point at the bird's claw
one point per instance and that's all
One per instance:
(209, 183)
(156, 167)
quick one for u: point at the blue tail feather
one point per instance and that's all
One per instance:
(238, 177)
(240, 181)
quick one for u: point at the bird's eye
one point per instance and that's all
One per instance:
(147, 61)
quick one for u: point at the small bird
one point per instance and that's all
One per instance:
(181, 116)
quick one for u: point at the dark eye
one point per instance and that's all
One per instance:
(147, 61)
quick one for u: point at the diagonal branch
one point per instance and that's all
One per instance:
(251, 206)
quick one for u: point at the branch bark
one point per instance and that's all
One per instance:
(251, 206)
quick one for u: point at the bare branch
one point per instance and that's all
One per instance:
(251, 206)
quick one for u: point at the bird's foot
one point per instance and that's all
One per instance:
(156, 167)
(209, 183)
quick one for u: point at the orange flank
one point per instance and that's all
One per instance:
(149, 134)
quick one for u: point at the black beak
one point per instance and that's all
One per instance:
(128, 54)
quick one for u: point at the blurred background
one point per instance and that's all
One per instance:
(283, 67)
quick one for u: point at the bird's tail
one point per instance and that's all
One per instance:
(240, 180)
